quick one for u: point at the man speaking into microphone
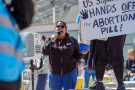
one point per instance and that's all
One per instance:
(63, 52)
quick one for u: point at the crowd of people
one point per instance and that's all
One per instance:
(63, 52)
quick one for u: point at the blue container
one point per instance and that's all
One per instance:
(83, 46)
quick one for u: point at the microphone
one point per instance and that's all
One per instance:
(58, 33)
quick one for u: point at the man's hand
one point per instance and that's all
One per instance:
(84, 52)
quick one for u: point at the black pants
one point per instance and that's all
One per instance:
(110, 51)
(10, 85)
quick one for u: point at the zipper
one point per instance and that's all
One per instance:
(61, 60)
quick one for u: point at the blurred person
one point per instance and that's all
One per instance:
(63, 52)
(108, 67)
(11, 46)
(42, 73)
(130, 65)
(134, 43)
(104, 51)
(108, 70)
(87, 73)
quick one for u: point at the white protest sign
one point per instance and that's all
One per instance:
(106, 18)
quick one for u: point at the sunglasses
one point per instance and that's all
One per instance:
(62, 26)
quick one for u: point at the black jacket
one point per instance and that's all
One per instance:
(63, 55)
(130, 66)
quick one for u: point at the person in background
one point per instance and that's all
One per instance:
(104, 51)
(134, 43)
(108, 70)
(130, 65)
(42, 41)
(63, 52)
(87, 73)
(42, 73)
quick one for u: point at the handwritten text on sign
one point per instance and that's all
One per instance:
(106, 18)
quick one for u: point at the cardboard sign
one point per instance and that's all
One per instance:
(106, 18)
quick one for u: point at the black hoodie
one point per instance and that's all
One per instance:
(63, 54)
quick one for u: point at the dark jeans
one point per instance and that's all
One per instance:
(41, 82)
(10, 85)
